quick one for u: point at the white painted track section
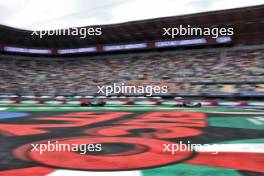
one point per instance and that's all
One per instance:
(243, 148)
(62, 172)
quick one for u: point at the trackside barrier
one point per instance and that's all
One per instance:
(117, 101)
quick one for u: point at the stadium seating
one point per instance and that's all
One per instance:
(206, 71)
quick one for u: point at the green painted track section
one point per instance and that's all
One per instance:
(245, 141)
(189, 170)
(237, 122)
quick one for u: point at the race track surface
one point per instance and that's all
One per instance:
(135, 141)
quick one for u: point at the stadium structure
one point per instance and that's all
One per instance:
(44, 82)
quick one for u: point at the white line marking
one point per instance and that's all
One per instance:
(62, 172)
(245, 148)
(240, 113)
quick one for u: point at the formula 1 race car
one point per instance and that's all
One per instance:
(92, 103)
(188, 104)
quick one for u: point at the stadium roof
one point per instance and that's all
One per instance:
(248, 23)
(59, 14)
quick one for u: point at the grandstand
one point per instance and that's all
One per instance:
(231, 65)
(235, 71)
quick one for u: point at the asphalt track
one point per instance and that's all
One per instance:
(132, 140)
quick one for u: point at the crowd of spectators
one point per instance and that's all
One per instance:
(218, 71)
